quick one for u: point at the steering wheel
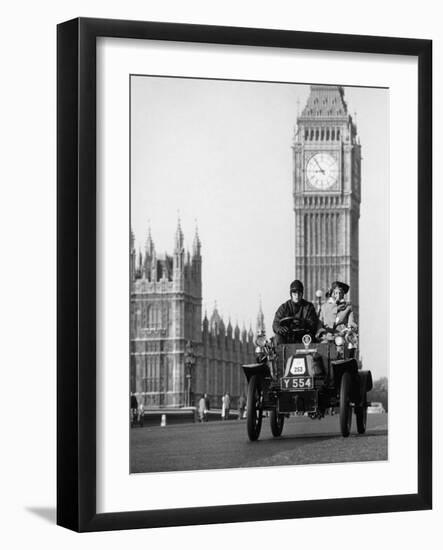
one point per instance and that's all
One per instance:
(291, 323)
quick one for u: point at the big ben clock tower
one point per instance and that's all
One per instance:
(327, 183)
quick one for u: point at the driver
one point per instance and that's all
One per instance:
(302, 311)
(336, 313)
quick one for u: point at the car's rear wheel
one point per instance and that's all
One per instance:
(254, 408)
(345, 404)
(361, 415)
(277, 423)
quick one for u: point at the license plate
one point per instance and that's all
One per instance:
(297, 383)
(295, 366)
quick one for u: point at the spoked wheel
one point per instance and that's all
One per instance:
(345, 405)
(277, 423)
(361, 415)
(254, 408)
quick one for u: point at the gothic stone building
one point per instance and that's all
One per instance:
(326, 193)
(175, 355)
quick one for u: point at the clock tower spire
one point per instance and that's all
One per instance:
(326, 193)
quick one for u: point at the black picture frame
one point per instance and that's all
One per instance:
(76, 273)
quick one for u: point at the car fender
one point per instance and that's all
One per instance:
(364, 385)
(339, 367)
(260, 369)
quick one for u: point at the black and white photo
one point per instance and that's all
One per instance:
(259, 273)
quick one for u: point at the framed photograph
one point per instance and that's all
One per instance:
(244, 274)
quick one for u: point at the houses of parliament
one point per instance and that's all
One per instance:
(176, 354)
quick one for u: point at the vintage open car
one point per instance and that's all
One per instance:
(307, 376)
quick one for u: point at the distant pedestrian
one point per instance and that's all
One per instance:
(226, 405)
(241, 406)
(133, 404)
(203, 408)
(141, 414)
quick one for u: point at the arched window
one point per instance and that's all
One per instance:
(144, 309)
(154, 316)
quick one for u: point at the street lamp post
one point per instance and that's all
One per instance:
(189, 368)
(318, 295)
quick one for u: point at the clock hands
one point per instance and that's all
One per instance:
(321, 169)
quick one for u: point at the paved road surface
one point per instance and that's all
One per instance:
(225, 445)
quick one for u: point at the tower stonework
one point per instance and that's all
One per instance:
(327, 193)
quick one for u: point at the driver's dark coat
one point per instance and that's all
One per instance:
(303, 310)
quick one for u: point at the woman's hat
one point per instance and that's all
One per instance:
(338, 284)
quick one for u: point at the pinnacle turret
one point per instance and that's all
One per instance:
(229, 328)
(139, 270)
(149, 245)
(179, 237)
(215, 320)
(196, 245)
(205, 322)
(260, 328)
(179, 252)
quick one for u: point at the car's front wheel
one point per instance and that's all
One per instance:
(277, 423)
(254, 408)
(345, 404)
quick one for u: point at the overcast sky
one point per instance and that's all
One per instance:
(219, 153)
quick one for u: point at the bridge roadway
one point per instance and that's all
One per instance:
(225, 444)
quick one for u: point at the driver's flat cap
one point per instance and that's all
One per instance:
(296, 286)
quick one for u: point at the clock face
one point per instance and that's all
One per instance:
(322, 171)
